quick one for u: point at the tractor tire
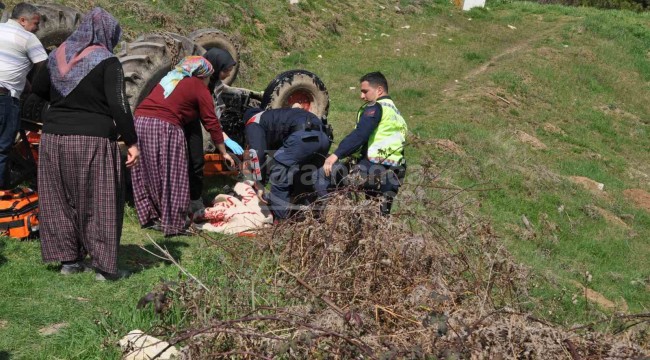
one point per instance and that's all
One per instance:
(32, 109)
(211, 38)
(57, 23)
(149, 58)
(297, 86)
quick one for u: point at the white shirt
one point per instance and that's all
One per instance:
(19, 51)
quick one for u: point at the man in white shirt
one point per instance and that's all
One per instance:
(20, 50)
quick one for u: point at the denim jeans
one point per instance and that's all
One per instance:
(9, 126)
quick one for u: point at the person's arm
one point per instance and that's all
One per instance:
(42, 83)
(211, 123)
(361, 134)
(37, 55)
(232, 145)
(117, 104)
(39, 66)
(357, 138)
(119, 108)
(35, 51)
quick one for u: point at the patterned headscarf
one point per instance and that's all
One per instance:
(90, 44)
(190, 66)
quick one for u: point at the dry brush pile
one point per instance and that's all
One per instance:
(433, 281)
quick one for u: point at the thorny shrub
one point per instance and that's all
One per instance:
(431, 280)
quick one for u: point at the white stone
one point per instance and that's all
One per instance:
(293, 2)
(136, 345)
(470, 4)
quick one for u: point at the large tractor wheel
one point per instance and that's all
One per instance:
(57, 23)
(149, 58)
(211, 38)
(297, 86)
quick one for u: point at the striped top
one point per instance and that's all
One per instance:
(19, 51)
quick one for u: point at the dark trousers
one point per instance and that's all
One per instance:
(195, 160)
(378, 180)
(9, 126)
(295, 164)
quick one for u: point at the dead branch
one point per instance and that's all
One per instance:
(325, 299)
(167, 256)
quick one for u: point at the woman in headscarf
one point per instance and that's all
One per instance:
(160, 181)
(80, 176)
(223, 64)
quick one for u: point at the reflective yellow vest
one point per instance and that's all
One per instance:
(386, 143)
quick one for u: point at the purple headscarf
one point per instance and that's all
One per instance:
(90, 44)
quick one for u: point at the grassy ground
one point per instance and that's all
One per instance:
(576, 79)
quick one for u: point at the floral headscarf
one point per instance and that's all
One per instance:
(190, 66)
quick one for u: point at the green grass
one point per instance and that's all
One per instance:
(561, 66)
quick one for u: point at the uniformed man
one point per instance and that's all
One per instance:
(379, 137)
(301, 143)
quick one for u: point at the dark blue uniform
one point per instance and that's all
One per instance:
(380, 180)
(301, 145)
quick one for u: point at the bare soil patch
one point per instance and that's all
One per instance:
(598, 298)
(52, 329)
(618, 112)
(640, 198)
(553, 129)
(534, 142)
(587, 183)
(449, 146)
(609, 217)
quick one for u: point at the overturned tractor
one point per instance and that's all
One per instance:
(146, 61)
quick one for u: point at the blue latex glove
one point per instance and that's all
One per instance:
(233, 146)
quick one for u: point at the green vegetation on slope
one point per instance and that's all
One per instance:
(576, 79)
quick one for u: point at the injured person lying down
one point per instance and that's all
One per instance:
(240, 213)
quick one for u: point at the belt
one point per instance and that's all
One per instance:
(4, 91)
(310, 127)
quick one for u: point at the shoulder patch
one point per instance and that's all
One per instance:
(370, 111)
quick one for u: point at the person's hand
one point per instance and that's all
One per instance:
(132, 155)
(234, 146)
(329, 162)
(259, 191)
(229, 160)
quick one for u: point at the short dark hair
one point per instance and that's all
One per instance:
(375, 79)
(25, 10)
